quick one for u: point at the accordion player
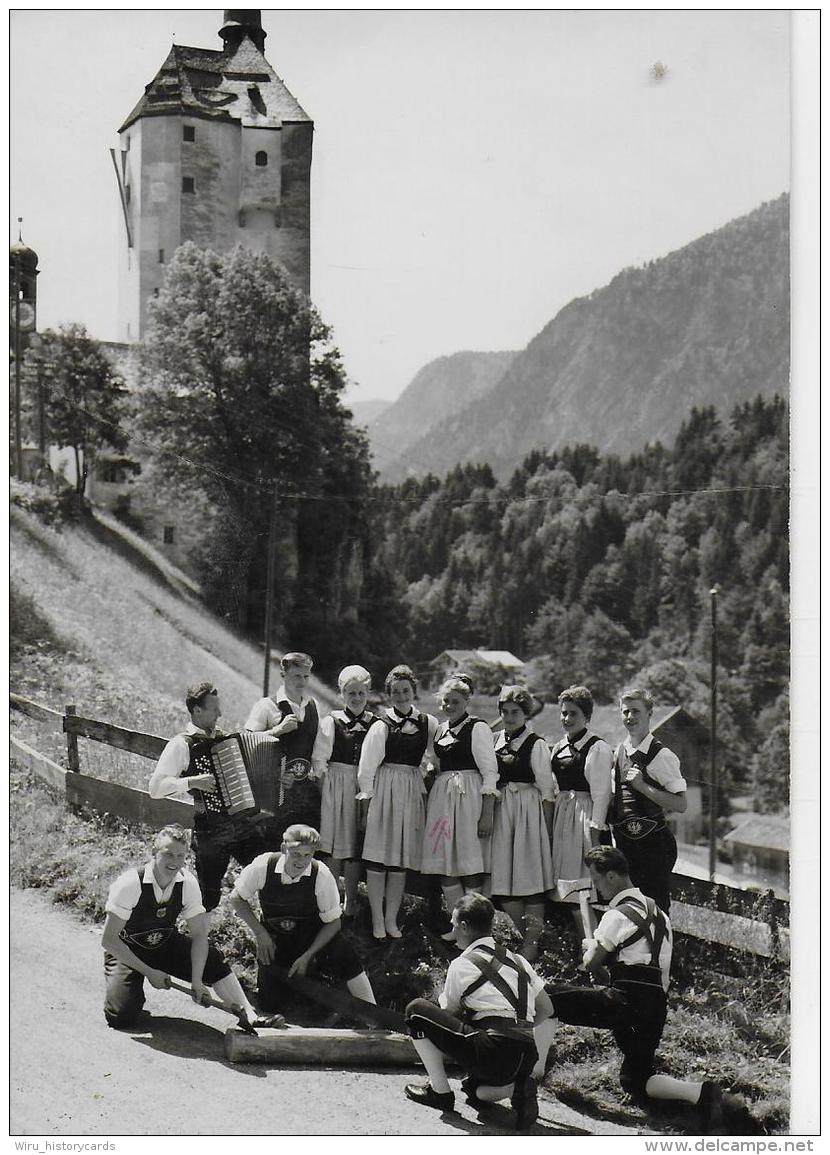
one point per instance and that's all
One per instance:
(246, 768)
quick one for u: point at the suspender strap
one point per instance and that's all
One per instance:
(490, 974)
(651, 927)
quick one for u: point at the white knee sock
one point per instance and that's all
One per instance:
(395, 882)
(665, 1087)
(361, 988)
(433, 1060)
(376, 889)
(543, 1037)
(229, 990)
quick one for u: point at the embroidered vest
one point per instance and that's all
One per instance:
(151, 923)
(405, 749)
(349, 733)
(289, 909)
(455, 751)
(491, 963)
(514, 765)
(568, 764)
(300, 742)
(633, 813)
(649, 924)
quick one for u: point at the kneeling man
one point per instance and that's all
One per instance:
(141, 941)
(300, 917)
(493, 1020)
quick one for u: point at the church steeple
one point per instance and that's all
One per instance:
(242, 22)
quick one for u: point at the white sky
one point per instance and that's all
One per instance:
(473, 171)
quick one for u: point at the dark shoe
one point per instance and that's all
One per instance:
(424, 1093)
(710, 1108)
(269, 1021)
(525, 1104)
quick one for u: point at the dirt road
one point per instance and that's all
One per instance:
(70, 1074)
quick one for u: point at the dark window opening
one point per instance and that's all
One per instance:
(169, 534)
(128, 192)
(161, 256)
(188, 184)
(127, 143)
(155, 292)
(188, 132)
(261, 159)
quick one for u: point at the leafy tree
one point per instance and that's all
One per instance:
(241, 395)
(84, 396)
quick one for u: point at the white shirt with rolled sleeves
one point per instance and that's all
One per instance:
(373, 751)
(266, 714)
(487, 1000)
(664, 767)
(615, 927)
(126, 891)
(539, 761)
(252, 879)
(166, 780)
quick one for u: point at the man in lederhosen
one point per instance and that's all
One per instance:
(631, 953)
(647, 783)
(299, 923)
(491, 1002)
(293, 717)
(217, 836)
(141, 941)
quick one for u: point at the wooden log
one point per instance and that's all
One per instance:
(39, 764)
(34, 709)
(126, 801)
(133, 741)
(320, 1046)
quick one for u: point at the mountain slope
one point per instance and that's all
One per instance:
(706, 325)
(441, 388)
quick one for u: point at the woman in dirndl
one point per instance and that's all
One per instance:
(459, 818)
(391, 780)
(335, 759)
(521, 863)
(582, 765)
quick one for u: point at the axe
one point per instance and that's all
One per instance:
(241, 1015)
(582, 890)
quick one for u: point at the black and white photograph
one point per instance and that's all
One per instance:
(413, 610)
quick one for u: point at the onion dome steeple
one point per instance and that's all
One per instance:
(242, 22)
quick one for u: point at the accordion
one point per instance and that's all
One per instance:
(246, 767)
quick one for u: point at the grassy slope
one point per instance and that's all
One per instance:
(91, 628)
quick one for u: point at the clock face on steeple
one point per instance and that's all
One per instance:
(26, 316)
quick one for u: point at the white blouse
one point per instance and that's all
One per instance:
(373, 752)
(484, 755)
(539, 760)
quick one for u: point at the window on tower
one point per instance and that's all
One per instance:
(188, 132)
(261, 159)
(161, 256)
(188, 184)
(128, 192)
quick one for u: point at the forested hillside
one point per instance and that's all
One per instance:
(706, 325)
(443, 387)
(599, 568)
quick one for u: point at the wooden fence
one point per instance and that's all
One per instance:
(714, 912)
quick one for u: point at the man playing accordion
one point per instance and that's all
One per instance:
(218, 836)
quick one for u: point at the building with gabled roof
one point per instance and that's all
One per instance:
(217, 151)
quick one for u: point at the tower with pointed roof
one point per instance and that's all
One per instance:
(217, 151)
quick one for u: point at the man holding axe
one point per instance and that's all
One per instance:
(630, 952)
(141, 941)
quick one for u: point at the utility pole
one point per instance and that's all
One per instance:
(269, 588)
(713, 737)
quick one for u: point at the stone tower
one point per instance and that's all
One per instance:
(217, 151)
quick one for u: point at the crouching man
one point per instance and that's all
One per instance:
(493, 1020)
(141, 941)
(300, 918)
(631, 952)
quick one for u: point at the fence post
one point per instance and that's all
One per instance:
(71, 744)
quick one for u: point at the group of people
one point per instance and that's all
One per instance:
(499, 817)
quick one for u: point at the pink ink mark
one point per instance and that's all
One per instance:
(440, 831)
